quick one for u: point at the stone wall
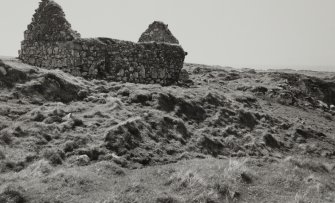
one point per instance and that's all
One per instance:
(49, 24)
(158, 32)
(100, 58)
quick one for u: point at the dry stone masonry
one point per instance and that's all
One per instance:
(50, 42)
(158, 32)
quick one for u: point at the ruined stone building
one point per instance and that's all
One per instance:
(49, 42)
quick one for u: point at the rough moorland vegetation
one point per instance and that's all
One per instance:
(219, 135)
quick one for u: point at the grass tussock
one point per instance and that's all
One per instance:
(12, 194)
(311, 165)
(2, 155)
(224, 185)
(54, 156)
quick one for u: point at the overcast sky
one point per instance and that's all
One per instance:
(238, 33)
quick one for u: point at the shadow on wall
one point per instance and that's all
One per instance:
(50, 42)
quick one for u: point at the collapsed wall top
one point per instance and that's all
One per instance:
(158, 32)
(49, 24)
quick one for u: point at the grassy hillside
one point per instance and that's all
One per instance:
(221, 136)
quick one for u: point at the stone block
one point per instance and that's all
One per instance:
(121, 73)
(154, 74)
